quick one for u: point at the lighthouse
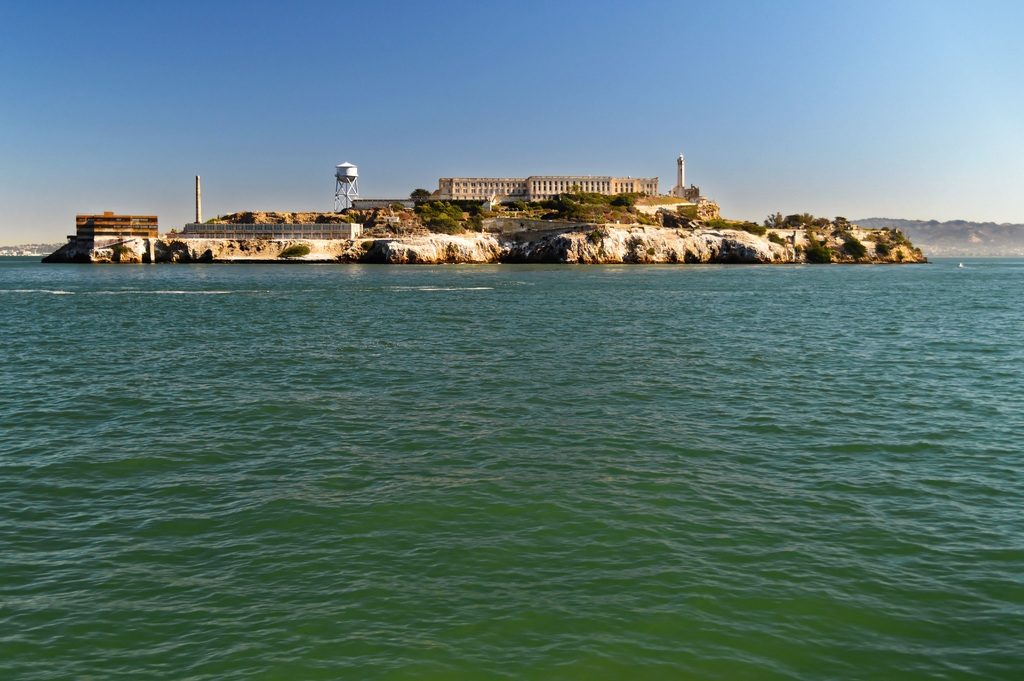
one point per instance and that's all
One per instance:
(680, 188)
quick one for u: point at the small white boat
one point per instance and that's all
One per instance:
(961, 265)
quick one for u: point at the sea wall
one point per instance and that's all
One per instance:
(590, 244)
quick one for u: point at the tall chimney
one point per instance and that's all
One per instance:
(199, 202)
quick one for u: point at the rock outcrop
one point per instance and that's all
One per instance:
(593, 244)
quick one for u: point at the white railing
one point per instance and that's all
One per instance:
(325, 230)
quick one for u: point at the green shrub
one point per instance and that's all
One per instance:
(776, 239)
(441, 216)
(650, 250)
(624, 200)
(294, 251)
(687, 211)
(720, 223)
(882, 248)
(818, 252)
(854, 248)
(597, 236)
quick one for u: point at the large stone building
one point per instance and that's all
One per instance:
(537, 187)
(94, 231)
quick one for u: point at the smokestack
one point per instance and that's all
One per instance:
(199, 202)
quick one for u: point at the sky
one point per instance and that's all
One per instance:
(901, 108)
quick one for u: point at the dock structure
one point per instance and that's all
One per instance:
(281, 230)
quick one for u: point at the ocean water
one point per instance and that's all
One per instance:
(523, 472)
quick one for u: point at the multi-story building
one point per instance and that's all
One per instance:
(99, 230)
(537, 187)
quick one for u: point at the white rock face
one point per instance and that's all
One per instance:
(607, 244)
(579, 244)
(436, 248)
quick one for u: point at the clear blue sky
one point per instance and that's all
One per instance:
(901, 108)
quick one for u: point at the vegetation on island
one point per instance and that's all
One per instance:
(441, 216)
(833, 240)
(454, 217)
(796, 237)
(816, 251)
(742, 225)
(294, 251)
(580, 206)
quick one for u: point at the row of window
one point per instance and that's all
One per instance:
(493, 190)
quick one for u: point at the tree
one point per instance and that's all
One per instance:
(441, 216)
(775, 221)
(419, 194)
(854, 248)
(817, 252)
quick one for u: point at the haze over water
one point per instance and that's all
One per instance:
(302, 472)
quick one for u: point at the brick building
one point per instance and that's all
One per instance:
(100, 230)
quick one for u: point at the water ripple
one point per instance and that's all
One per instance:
(538, 472)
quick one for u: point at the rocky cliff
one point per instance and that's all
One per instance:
(595, 244)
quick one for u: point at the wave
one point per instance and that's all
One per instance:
(127, 292)
(169, 292)
(55, 292)
(440, 288)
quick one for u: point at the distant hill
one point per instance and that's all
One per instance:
(957, 237)
(29, 249)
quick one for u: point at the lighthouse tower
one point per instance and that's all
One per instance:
(680, 188)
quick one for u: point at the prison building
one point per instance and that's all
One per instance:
(538, 187)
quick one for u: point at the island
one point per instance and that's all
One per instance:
(573, 226)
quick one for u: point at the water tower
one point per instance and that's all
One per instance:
(346, 185)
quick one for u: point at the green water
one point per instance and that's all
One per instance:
(324, 472)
